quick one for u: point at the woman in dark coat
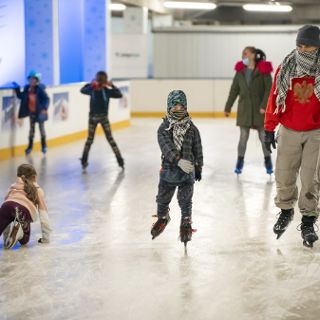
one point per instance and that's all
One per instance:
(252, 83)
(34, 104)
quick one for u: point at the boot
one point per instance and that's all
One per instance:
(239, 165)
(44, 145)
(308, 233)
(84, 158)
(30, 146)
(160, 225)
(283, 221)
(15, 234)
(185, 230)
(120, 162)
(268, 165)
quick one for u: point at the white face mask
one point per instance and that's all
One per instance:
(245, 61)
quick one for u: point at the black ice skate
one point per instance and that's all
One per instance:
(84, 163)
(186, 230)
(268, 165)
(239, 165)
(283, 221)
(120, 161)
(159, 226)
(308, 233)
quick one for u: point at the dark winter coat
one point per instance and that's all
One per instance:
(99, 99)
(252, 98)
(191, 150)
(42, 102)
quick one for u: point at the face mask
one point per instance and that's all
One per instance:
(178, 114)
(245, 61)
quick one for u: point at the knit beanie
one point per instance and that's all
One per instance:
(308, 35)
(176, 97)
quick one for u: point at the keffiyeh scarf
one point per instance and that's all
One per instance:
(296, 65)
(179, 126)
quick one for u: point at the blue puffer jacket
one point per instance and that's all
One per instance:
(42, 103)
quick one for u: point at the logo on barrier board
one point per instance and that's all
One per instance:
(60, 106)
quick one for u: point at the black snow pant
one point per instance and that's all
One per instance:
(165, 195)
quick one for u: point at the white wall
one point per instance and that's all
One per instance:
(203, 95)
(15, 132)
(198, 52)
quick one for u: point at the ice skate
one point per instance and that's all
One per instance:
(308, 233)
(29, 148)
(159, 226)
(84, 163)
(285, 217)
(268, 165)
(44, 147)
(186, 230)
(120, 161)
(15, 234)
(239, 165)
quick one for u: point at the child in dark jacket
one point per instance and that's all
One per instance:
(34, 104)
(100, 91)
(182, 161)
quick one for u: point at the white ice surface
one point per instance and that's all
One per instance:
(102, 264)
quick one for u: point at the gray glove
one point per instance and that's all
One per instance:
(185, 165)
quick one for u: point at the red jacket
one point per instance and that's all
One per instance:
(302, 111)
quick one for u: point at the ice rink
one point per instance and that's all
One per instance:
(102, 263)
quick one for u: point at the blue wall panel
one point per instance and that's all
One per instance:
(94, 50)
(39, 38)
(71, 40)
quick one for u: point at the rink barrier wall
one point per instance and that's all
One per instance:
(206, 97)
(68, 118)
(17, 151)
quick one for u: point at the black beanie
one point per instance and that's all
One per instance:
(308, 35)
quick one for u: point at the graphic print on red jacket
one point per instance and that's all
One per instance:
(302, 110)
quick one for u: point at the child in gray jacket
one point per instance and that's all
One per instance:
(182, 161)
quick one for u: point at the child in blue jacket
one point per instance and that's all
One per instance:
(34, 104)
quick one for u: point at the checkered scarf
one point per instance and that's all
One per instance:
(297, 65)
(180, 128)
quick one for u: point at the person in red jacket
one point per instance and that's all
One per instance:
(294, 103)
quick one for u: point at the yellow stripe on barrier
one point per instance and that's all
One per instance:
(8, 153)
(156, 114)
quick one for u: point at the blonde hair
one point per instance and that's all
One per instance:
(27, 173)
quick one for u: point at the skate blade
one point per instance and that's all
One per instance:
(308, 244)
(279, 234)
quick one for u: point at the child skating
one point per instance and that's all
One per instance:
(100, 91)
(34, 104)
(182, 161)
(23, 203)
(294, 102)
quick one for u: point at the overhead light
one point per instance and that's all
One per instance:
(189, 5)
(117, 7)
(267, 7)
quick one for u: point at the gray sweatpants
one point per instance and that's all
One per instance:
(298, 150)
(244, 136)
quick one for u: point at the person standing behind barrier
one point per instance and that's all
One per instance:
(34, 104)
(100, 91)
(252, 83)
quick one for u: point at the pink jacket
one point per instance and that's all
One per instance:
(17, 194)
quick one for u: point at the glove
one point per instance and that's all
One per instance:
(42, 240)
(15, 85)
(198, 173)
(269, 140)
(185, 165)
